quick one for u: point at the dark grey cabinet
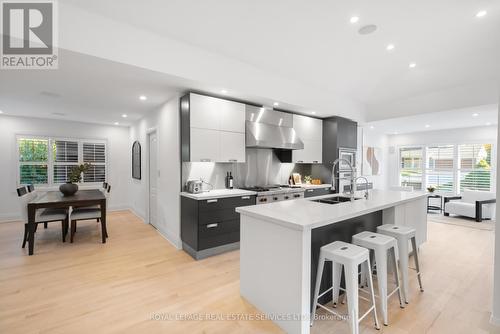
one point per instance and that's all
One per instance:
(316, 192)
(211, 226)
(338, 132)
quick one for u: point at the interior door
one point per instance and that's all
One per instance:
(153, 179)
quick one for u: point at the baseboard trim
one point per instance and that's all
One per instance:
(495, 321)
(176, 242)
(9, 217)
(172, 239)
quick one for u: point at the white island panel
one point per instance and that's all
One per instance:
(275, 272)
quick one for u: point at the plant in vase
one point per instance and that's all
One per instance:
(75, 176)
(431, 189)
(308, 179)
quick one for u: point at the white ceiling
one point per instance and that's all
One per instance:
(485, 115)
(315, 44)
(86, 89)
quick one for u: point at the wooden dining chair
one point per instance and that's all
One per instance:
(33, 192)
(86, 213)
(42, 216)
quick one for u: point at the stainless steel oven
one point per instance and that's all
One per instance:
(348, 154)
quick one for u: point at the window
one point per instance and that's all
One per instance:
(475, 167)
(411, 166)
(440, 168)
(65, 155)
(96, 155)
(49, 160)
(448, 168)
(33, 160)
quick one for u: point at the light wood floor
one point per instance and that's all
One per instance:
(88, 287)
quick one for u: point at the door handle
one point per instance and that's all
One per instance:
(212, 201)
(212, 225)
(245, 197)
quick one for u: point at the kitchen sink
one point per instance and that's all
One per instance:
(335, 199)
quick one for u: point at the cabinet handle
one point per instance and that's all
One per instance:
(310, 190)
(205, 160)
(233, 160)
(300, 161)
(245, 197)
(212, 201)
(212, 225)
(315, 161)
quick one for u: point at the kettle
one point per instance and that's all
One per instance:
(194, 186)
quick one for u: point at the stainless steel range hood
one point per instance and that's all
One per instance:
(267, 128)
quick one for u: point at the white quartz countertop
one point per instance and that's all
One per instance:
(303, 214)
(218, 193)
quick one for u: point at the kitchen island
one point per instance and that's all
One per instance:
(280, 242)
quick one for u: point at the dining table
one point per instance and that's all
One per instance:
(56, 200)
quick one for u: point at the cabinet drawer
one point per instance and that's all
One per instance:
(218, 234)
(214, 216)
(225, 203)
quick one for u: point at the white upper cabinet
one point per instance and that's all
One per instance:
(310, 131)
(308, 128)
(232, 117)
(217, 129)
(203, 112)
(217, 114)
(232, 147)
(205, 145)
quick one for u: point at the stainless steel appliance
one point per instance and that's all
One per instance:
(194, 186)
(276, 193)
(267, 128)
(345, 181)
(347, 155)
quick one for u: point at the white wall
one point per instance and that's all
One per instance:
(369, 137)
(118, 156)
(495, 317)
(165, 121)
(483, 135)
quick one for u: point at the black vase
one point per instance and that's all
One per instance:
(68, 189)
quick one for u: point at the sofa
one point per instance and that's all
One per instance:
(474, 204)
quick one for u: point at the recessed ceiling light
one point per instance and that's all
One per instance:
(475, 114)
(368, 29)
(412, 65)
(354, 19)
(427, 126)
(276, 104)
(390, 47)
(487, 124)
(396, 133)
(116, 123)
(481, 13)
(143, 98)
(223, 91)
(372, 127)
(124, 115)
(313, 112)
(1, 112)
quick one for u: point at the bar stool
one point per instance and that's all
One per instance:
(382, 246)
(349, 257)
(403, 235)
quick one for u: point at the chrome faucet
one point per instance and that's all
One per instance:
(367, 193)
(335, 163)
